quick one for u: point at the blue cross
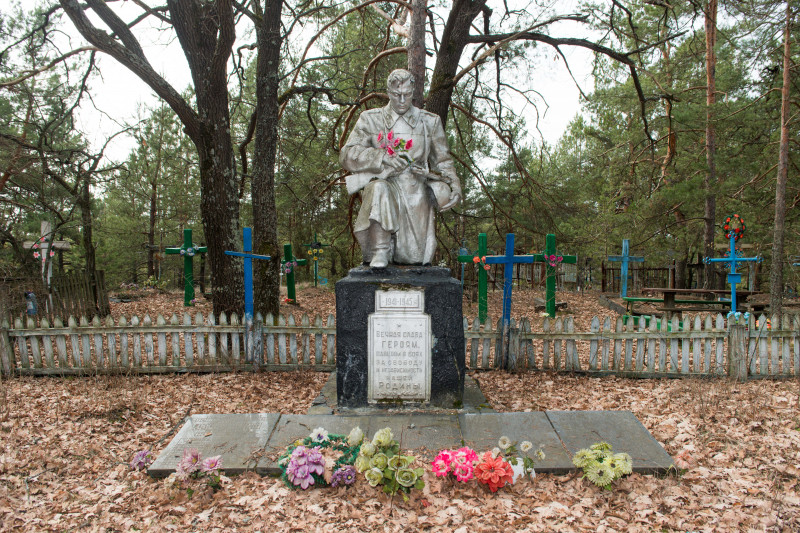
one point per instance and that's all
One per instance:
(625, 259)
(247, 247)
(508, 261)
(733, 276)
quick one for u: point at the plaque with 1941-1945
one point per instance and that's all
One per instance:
(399, 348)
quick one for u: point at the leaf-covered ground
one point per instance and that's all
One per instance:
(65, 444)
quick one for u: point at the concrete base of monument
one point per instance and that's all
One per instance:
(399, 337)
(473, 401)
(253, 442)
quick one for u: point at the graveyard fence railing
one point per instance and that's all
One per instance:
(645, 347)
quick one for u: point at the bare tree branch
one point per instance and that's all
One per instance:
(29, 74)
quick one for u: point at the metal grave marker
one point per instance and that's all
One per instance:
(625, 258)
(188, 250)
(248, 255)
(399, 349)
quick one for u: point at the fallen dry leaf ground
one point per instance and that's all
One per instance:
(65, 444)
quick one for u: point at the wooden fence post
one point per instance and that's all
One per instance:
(737, 352)
(7, 360)
(512, 347)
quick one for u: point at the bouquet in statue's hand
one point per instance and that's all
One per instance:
(395, 145)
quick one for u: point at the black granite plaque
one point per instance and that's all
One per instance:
(355, 302)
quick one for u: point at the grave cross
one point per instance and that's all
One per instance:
(248, 255)
(508, 261)
(45, 249)
(482, 276)
(315, 251)
(625, 259)
(187, 251)
(732, 259)
(551, 259)
(288, 263)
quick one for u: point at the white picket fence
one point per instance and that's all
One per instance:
(698, 346)
(694, 346)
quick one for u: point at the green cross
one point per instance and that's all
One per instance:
(551, 259)
(482, 277)
(286, 264)
(315, 251)
(187, 251)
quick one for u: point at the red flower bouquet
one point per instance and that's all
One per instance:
(494, 471)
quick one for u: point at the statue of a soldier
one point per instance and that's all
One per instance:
(399, 159)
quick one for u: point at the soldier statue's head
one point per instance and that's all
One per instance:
(400, 86)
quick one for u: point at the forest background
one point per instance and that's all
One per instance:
(692, 117)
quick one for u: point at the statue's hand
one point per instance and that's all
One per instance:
(455, 199)
(395, 164)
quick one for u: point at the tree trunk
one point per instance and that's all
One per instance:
(205, 30)
(155, 179)
(202, 29)
(416, 50)
(454, 39)
(90, 264)
(776, 272)
(265, 219)
(151, 230)
(710, 180)
(220, 209)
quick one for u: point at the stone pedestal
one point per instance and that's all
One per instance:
(399, 338)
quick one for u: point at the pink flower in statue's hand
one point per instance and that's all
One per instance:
(397, 141)
(390, 135)
(380, 136)
(409, 143)
(389, 150)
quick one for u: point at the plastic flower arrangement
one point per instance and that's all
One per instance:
(520, 456)
(394, 145)
(141, 459)
(554, 259)
(382, 464)
(460, 463)
(734, 227)
(494, 471)
(601, 465)
(322, 459)
(288, 266)
(738, 318)
(481, 260)
(193, 466)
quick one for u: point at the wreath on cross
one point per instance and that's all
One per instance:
(734, 225)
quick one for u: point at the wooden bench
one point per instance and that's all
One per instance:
(673, 308)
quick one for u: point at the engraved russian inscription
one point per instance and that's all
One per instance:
(399, 351)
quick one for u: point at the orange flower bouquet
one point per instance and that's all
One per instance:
(494, 471)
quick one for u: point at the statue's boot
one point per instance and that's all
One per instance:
(381, 245)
